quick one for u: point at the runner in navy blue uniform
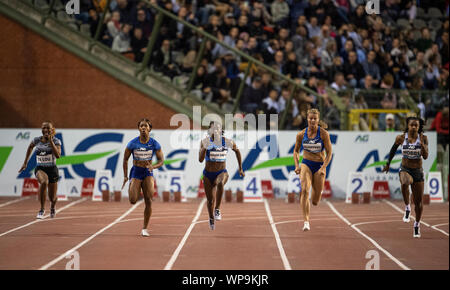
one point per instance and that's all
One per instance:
(141, 175)
(315, 140)
(48, 149)
(414, 148)
(214, 149)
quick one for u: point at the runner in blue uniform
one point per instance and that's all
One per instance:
(214, 149)
(414, 148)
(141, 175)
(315, 140)
(48, 149)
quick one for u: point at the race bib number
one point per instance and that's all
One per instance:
(143, 155)
(218, 156)
(44, 159)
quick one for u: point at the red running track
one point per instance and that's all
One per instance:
(106, 236)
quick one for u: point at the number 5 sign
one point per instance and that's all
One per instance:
(434, 187)
(252, 187)
(174, 183)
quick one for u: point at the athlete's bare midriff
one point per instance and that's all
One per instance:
(211, 166)
(316, 157)
(142, 163)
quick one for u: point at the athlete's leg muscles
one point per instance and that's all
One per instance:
(405, 180)
(148, 191)
(134, 190)
(221, 181)
(417, 191)
(305, 180)
(52, 190)
(317, 186)
(209, 192)
(43, 184)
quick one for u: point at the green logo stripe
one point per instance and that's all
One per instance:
(382, 163)
(434, 166)
(4, 154)
(170, 161)
(82, 158)
(277, 162)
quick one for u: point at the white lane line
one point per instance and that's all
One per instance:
(53, 262)
(400, 264)
(422, 222)
(283, 256)
(177, 251)
(435, 227)
(46, 216)
(14, 201)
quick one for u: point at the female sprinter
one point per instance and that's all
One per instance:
(214, 148)
(314, 139)
(414, 147)
(141, 174)
(48, 149)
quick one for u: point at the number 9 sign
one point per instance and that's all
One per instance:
(434, 187)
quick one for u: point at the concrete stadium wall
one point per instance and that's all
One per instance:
(41, 81)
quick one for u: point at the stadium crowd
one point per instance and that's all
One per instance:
(317, 43)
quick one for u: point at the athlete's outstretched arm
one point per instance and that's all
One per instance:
(239, 159)
(25, 162)
(424, 143)
(202, 152)
(328, 150)
(398, 141)
(126, 156)
(298, 144)
(160, 157)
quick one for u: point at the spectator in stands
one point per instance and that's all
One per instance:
(280, 13)
(354, 72)
(122, 41)
(440, 124)
(252, 97)
(219, 86)
(284, 99)
(339, 82)
(371, 67)
(143, 23)
(138, 44)
(164, 61)
(390, 123)
(425, 41)
(327, 55)
(270, 103)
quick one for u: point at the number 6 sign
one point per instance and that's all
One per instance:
(103, 181)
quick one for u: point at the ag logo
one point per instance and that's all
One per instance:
(23, 136)
(362, 139)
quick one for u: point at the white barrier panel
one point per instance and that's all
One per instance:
(175, 182)
(356, 183)
(62, 190)
(103, 181)
(252, 187)
(86, 151)
(434, 187)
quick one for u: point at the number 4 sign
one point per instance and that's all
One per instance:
(252, 187)
(434, 187)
